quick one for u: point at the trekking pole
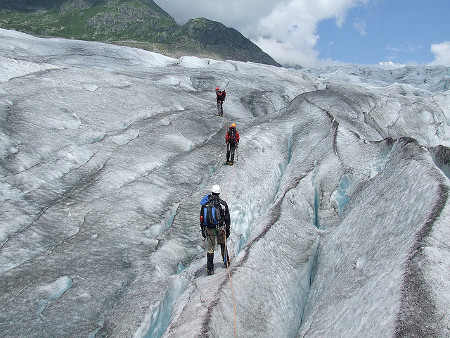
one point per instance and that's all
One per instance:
(225, 251)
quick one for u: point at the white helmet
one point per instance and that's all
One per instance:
(216, 189)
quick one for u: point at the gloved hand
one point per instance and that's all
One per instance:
(204, 232)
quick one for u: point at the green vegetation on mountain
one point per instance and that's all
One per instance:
(136, 23)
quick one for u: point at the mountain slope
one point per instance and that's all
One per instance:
(136, 23)
(221, 40)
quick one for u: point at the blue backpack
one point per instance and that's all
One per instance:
(211, 212)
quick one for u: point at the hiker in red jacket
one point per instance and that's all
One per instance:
(220, 96)
(232, 140)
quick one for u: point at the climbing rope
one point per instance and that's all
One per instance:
(226, 248)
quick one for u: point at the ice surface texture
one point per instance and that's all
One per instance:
(339, 198)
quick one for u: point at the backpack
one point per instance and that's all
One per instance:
(211, 212)
(232, 135)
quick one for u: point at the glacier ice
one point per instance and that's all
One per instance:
(338, 199)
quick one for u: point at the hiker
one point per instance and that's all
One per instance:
(232, 140)
(215, 224)
(220, 96)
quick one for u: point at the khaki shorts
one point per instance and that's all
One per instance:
(212, 235)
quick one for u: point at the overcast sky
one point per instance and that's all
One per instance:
(311, 32)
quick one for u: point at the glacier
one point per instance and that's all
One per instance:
(339, 196)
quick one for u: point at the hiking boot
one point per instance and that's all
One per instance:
(209, 263)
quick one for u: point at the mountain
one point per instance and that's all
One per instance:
(226, 43)
(339, 199)
(136, 23)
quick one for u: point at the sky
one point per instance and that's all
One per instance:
(317, 32)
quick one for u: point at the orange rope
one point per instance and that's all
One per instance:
(227, 255)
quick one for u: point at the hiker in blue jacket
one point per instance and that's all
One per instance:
(215, 225)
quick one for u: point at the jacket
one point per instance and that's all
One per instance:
(228, 137)
(221, 95)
